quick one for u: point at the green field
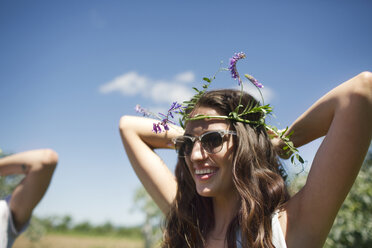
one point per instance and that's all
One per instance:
(78, 241)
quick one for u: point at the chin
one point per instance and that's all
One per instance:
(206, 192)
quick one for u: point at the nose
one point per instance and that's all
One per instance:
(197, 152)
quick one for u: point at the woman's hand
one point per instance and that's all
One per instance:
(279, 144)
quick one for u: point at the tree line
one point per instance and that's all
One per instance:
(65, 224)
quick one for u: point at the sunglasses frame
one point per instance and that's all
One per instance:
(193, 139)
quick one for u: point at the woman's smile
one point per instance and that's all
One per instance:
(204, 174)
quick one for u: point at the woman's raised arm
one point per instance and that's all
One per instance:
(344, 116)
(38, 167)
(139, 142)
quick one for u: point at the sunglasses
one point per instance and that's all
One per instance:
(212, 142)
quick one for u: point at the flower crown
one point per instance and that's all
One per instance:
(184, 108)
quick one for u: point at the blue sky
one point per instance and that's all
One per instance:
(70, 69)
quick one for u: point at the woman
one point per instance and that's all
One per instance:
(228, 190)
(15, 211)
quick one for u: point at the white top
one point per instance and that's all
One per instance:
(278, 236)
(8, 232)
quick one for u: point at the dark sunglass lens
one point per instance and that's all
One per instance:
(187, 146)
(212, 142)
(183, 146)
(180, 147)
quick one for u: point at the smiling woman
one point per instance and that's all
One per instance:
(229, 188)
(223, 182)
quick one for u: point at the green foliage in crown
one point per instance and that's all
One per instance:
(289, 150)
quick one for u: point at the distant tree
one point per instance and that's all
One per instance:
(134, 232)
(48, 222)
(63, 223)
(106, 228)
(153, 216)
(36, 229)
(66, 224)
(352, 227)
(83, 227)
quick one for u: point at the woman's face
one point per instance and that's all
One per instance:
(212, 173)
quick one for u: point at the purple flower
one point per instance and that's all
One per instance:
(156, 127)
(164, 124)
(232, 67)
(166, 119)
(141, 110)
(175, 107)
(254, 81)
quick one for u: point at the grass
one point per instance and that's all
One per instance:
(56, 240)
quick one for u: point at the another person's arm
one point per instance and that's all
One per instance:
(139, 142)
(344, 116)
(38, 167)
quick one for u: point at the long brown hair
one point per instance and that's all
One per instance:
(256, 175)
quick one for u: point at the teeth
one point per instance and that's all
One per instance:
(203, 171)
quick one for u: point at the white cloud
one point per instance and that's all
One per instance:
(128, 84)
(186, 77)
(132, 83)
(168, 92)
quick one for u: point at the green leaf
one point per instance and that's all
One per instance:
(181, 123)
(290, 144)
(274, 128)
(207, 79)
(236, 110)
(283, 132)
(301, 159)
(290, 134)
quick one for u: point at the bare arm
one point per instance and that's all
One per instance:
(38, 167)
(139, 142)
(344, 116)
